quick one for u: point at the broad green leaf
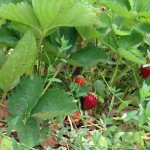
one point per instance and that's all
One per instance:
(12, 1)
(133, 40)
(2, 21)
(11, 124)
(110, 40)
(74, 62)
(119, 32)
(132, 54)
(89, 33)
(117, 8)
(91, 1)
(142, 119)
(25, 96)
(54, 103)
(140, 5)
(52, 13)
(2, 57)
(50, 52)
(87, 56)
(19, 62)
(148, 110)
(23, 28)
(16, 145)
(124, 3)
(143, 28)
(6, 144)
(144, 17)
(105, 20)
(29, 132)
(131, 4)
(99, 87)
(7, 37)
(21, 12)
(68, 33)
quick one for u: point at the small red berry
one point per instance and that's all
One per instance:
(89, 101)
(145, 71)
(80, 80)
(76, 116)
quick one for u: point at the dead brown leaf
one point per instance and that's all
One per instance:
(50, 141)
(4, 111)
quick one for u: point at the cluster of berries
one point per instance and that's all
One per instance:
(91, 101)
(88, 101)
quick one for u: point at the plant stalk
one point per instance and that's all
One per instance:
(49, 83)
(116, 70)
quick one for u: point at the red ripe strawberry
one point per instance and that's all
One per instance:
(76, 116)
(145, 71)
(80, 80)
(89, 101)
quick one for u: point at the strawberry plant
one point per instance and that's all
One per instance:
(55, 54)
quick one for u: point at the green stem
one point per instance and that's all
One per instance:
(116, 70)
(108, 86)
(84, 120)
(49, 83)
(122, 73)
(38, 49)
(136, 79)
(52, 66)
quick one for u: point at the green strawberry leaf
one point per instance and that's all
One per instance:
(19, 62)
(87, 56)
(25, 96)
(52, 13)
(110, 40)
(12, 1)
(16, 145)
(29, 132)
(53, 103)
(2, 57)
(99, 87)
(148, 110)
(20, 12)
(133, 40)
(7, 37)
(11, 124)
(6, 144)
(89, 32)
(132, 54)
